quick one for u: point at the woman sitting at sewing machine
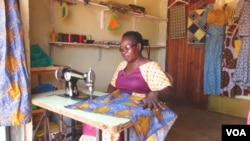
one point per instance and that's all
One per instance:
(137, 75)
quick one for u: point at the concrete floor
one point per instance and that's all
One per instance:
(195, 124)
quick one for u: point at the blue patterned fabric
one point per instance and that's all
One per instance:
(242, 70)
(213, 59)
(213, 54)
(146, 122)
(15, 106)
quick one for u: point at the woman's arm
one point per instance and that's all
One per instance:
(110, 88)
(160, 84)
(158, 99)
(165, 94)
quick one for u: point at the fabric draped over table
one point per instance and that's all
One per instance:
(146, 122)
(15, 103)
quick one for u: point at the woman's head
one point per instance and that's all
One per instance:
(131, 46)
(137, 37)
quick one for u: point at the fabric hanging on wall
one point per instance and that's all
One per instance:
(15, 102)
(237, 44)
(213, 49)
(242, 71)
(177, 21)
(229, 14)
(196, 34)
(229, 60)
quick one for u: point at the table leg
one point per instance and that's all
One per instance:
(98, 135)
(126, 134)
(106, 136)
(114, 137)
(73, 126)
(39, 124)
(45, 120)
(47, 131)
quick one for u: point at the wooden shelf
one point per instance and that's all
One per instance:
(80, 44)
(43, 69)
(99, 46)
(38, 111)
(94, 45)
(104, 9)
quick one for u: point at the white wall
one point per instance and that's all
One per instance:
(82, 58)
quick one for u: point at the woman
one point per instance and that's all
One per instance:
(138, 75)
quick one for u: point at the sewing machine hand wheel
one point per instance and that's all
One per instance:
(59, 75)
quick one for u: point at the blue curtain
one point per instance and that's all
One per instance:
(15, 101)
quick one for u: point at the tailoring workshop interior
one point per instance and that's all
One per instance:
(195, 41)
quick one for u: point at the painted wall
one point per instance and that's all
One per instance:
(86, 20)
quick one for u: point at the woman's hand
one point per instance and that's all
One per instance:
(151, 101)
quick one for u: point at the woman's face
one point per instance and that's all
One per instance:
(129, 49)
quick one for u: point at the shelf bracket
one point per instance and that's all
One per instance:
(102, 18)
(99, 54)
(134, 23)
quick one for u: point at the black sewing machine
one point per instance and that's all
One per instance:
(71, 76)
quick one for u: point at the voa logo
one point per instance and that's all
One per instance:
(236, 132)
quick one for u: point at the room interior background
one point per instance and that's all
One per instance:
(42, 16)
(88, 20)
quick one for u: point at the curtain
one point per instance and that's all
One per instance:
(15, 101)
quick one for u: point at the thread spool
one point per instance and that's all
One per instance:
(69, 38)
(60, 37)
(80, 38)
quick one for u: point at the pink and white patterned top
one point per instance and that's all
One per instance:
(148, 77)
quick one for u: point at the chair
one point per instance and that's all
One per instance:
(170, 77)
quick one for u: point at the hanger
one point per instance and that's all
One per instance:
(183, 1)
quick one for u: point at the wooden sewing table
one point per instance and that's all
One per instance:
(51, 101)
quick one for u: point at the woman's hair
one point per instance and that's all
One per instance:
(136, 35)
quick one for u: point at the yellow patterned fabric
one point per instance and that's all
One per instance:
(196, 34)
(216, 16)
(151, 72)
(229, 14)
(148, 124)
(237, 44)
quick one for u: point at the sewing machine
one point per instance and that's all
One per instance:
(71, 76)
